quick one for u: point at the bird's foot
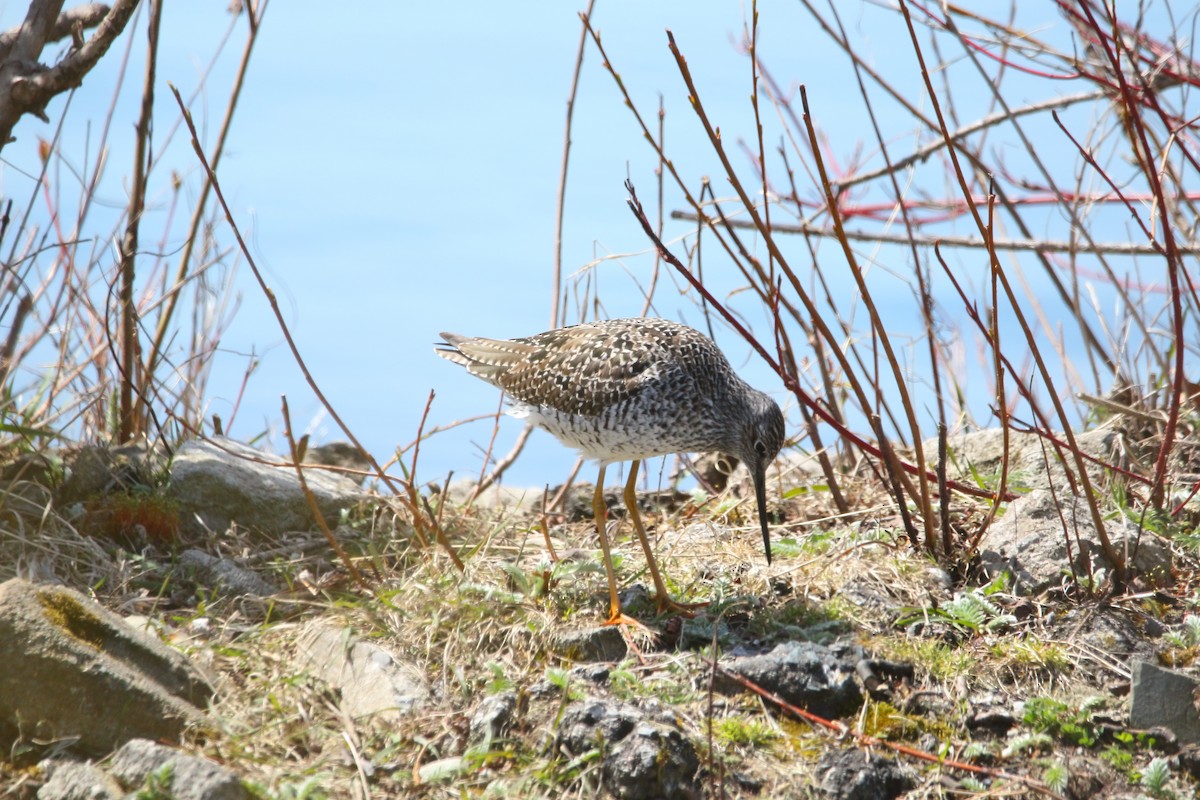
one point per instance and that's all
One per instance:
(619, 617)
(664, 604)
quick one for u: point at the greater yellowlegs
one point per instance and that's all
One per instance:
(628, 390)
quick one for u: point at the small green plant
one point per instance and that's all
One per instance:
(1191, 625)
(557, 773)
(1026, 742)
(1057, 776)
(814, 543)
(1149, 519)
(1188, 635)
(1054, 717)
(790, 547)
(745, 732)
(939, 659)
(537, 583)
(561, 680)
(157, 785)
(1182, 647)
(977, 750)
(310, 788)
(625, 683)
(499, 682)
(970, 612)
(1090, 582)
(1118, 757)
(1030, 652)
(1155, 778)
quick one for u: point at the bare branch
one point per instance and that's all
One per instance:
(1033, 245)
(78, 18)
(29, 39)
(922, 153)
(27, 86)
(129, 421)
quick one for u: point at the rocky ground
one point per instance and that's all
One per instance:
(176, 627)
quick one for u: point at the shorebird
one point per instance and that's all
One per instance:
(628, 390)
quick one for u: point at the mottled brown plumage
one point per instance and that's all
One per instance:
(627, 390)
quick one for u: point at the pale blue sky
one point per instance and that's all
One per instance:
(394, 166)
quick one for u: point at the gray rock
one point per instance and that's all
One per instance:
(591, 673)
(492, 719)
(1110, 629)
(867, 593)
(223, 575)
(89, 472)
(464, 490)
(806, 674)
(43, 468)
(860, 775)
(643, 758)
(993, 721)
(1161, 697)
(590, 644)
(936, 577)
(93, 470)
(654, 761)
(372, 682)
(186, 777)
(338, 454)
(977, 453)
(1029, 542)
(219, 482)
(589, 724)
(75, 669)
(77, 780)
(1189, 760)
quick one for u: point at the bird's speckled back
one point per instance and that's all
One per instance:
(622, 389)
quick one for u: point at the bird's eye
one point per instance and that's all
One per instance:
(759, 447)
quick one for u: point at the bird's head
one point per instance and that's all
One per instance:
(759, 439)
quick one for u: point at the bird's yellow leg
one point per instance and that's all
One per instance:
(662, 599)
(615, 615)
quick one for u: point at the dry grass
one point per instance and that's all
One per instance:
(493, 627)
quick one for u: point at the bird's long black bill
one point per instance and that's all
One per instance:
(760, 494)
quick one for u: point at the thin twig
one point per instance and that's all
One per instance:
(872, 741)
(924, 152)
(973, 242)
(254, 14)
(128, 422)
(890, 458)
(1137, 127)
(561, 203)
(318, 517)
(503, 464)
(818, 409)
(413, 508)
(410, 485)
(1110, 553)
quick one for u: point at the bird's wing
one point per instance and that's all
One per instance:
(489, 359)
(586, 369)
(582, 370)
